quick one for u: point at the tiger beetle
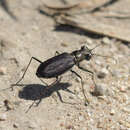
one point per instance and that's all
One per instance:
(61, 63)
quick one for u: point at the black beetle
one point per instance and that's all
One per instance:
(61, 63)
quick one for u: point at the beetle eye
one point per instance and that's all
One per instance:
(88, 57)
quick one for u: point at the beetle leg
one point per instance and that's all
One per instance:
(47, 88)
(81, 85)
(52, 84)
(32, 58)
(58, 79)
(92, 73)
(43, 82)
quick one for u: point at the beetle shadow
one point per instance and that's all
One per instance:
(38, 92)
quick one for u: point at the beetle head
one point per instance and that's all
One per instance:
(86, 52)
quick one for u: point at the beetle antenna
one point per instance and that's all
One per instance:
(96, 46)
(94, 54)
(105, 57)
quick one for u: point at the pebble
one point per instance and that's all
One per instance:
(64, 44)
(123, 88)
(32, 125)
(112, 112)
(1, 104)
(3, 117)
(81, 118)
(100, 90)
(77, 79)
(71, 97)
(106, 40)
(69, 127)
(127, 109)
(89, 41)
(116, 73)
(101, 74)
(128, 45)
(35, 28)
(3, 70)
(15, 125)
(98, 62)
(124, 123)
(104, 70)
(8, 105)
(99, 124)
(84, 128)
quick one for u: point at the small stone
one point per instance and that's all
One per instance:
(123, 88)
(32, 125)
(69, 127)
(102, 98)
(89, 41)
(99, 125)
(84, 128)
(8, 105)
(86, 103)
(106, 40)
(81, 118)
(68, 114)
(128, 45)
(3, 117)
(77, 79)
(98, 62)
(127, 110)
(100, 90)
(104, 70)
(124, 123)
(61, 124)
(3, 70)
(1, 104)
(15, 125)
(81, 96)
(116, 73)
(71, 97)
(35, 28)
(64, 44)
(101, 75)
(112, 112)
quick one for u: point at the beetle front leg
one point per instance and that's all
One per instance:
(81, 85)
(92, 73)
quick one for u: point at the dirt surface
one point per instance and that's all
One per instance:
(34, 34)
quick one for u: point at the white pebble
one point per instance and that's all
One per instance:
(3, 70)
(3, 117)
(100, 90)
(123, 88)
(104, 70)
(81, 118)
(112, 112)
(89, 41)
(106, 40)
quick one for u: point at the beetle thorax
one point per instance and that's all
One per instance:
(83, 54)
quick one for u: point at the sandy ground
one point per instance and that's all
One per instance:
(34, 34)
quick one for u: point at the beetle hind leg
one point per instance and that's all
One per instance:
(48, 87)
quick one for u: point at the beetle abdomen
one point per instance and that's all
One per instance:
(55, 66)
